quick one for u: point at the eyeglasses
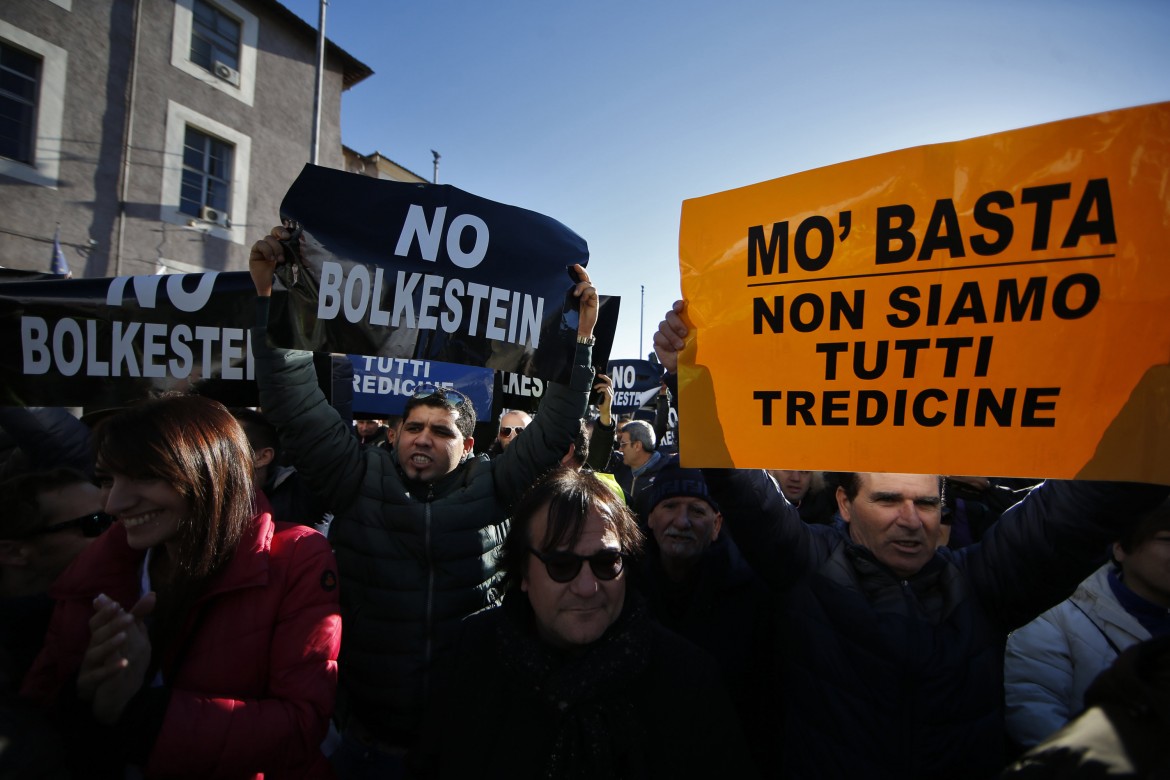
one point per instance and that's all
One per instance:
(619, 443)
(506, 430)
(91, 525)
(447, 394)
(563, 566)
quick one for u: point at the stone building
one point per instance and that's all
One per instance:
(156, 135)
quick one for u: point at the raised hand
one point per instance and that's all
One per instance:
(589, 302)
(671, 337)
(266, 254)
(604, 385)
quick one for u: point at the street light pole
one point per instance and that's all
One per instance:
(314, 149)
(642, 320)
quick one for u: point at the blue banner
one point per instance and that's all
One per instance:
(635, 384)
(382, 386)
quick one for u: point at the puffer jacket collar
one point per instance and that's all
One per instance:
(104, 569)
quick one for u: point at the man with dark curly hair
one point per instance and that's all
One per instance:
(583, 682)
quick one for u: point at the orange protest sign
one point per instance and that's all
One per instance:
(998, 306)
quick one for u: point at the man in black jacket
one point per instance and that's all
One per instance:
(698, 585)
(892, 663)
(416, 527)
(570, 678)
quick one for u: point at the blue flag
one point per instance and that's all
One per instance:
(59, 266)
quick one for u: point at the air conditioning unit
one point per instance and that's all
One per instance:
(208, 214)
(227, 73)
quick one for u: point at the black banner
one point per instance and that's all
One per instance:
(636, 384)
(106, 342)
(427, 272)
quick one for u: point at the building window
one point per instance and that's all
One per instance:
(205, 178)
(32, 106)
(207, 175)
(215, 37)
(215, 42)
(20, 73)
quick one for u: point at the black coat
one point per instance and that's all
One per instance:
(886, 677)
(727, 610)
(412, 565)
(640, 702)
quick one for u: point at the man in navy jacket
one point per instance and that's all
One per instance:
(892, 660)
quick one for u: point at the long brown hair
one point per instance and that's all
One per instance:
(568, 495)
(196, 446)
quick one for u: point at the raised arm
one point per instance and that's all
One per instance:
(779, 546)
(601, 441)
(322, 445)
(768, 530)
(1041, 548)
(558, 420)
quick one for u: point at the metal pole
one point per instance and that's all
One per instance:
(314, 149)
(127, 143)
(642, 319)
(435, 179)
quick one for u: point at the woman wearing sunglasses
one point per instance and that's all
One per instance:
(196, 637)
(583, 683)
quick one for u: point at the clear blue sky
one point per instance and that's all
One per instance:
(607, 114)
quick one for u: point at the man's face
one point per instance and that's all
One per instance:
(56, 550)
(1146, 569)
(632, 453)
(429, 443)
(794, 484)
(510, 426)
(898, 517)
(367, 428)
(684, 527)
(576, 613)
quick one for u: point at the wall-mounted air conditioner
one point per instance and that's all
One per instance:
(227, 73)
(208, 214)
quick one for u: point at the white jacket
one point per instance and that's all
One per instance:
(1052, 660)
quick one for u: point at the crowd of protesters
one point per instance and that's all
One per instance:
(189, 590)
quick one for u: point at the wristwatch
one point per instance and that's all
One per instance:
(586, 340)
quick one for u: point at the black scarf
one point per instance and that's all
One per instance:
(598, 731)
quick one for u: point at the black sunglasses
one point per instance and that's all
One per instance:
(506, 430)
(563, 566)
(447, 394)
(91, 525)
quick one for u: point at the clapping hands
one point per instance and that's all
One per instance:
(115, 663)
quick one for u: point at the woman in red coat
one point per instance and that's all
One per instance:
(197, 637)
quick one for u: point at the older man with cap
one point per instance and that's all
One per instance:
(698, 584)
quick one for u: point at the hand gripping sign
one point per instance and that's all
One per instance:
(996, 306)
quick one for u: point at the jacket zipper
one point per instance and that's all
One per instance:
(430, 595)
